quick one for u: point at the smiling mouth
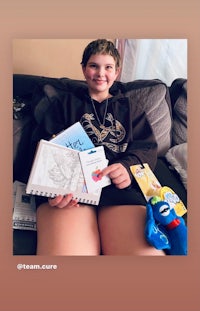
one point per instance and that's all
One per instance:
(99, 81)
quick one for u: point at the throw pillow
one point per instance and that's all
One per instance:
(179, 129)
(177, 157)
(153, 96)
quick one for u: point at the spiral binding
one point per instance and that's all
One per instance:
(53, 195)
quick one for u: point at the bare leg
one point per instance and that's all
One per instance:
(67, 231)
(122, 231)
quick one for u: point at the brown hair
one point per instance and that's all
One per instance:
(100, 46)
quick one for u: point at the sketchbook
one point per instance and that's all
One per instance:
(57, 170)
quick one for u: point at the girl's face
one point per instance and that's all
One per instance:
(100, 73)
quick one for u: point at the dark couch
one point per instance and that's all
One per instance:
(166, 109)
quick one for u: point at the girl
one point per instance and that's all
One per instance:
(111, 119)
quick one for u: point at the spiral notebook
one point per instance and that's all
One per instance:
(57, 170)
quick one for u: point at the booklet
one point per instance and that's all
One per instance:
(57, 170)
(65, 164)
(74, 137)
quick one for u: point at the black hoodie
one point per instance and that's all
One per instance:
(126, 135)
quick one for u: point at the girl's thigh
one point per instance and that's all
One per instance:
(67, 231)
(122, 231)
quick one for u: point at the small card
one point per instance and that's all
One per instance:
(93, 161)
(74, 137)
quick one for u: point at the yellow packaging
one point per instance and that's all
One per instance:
(150, 187)
(146, 180)
(168, 195)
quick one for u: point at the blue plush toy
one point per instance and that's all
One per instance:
(164, 229)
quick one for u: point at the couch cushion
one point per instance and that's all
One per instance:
(156, 103)
(178, 91)
(177, 157)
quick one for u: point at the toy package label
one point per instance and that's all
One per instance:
(146, 179)
(168, 195)
(150, 187)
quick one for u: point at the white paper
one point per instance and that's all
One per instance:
(93, 161)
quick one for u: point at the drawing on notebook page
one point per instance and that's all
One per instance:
(59, 168)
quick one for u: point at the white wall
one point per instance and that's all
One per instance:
(49, 57)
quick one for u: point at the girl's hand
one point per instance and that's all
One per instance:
(118, 174)
(63, 201)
